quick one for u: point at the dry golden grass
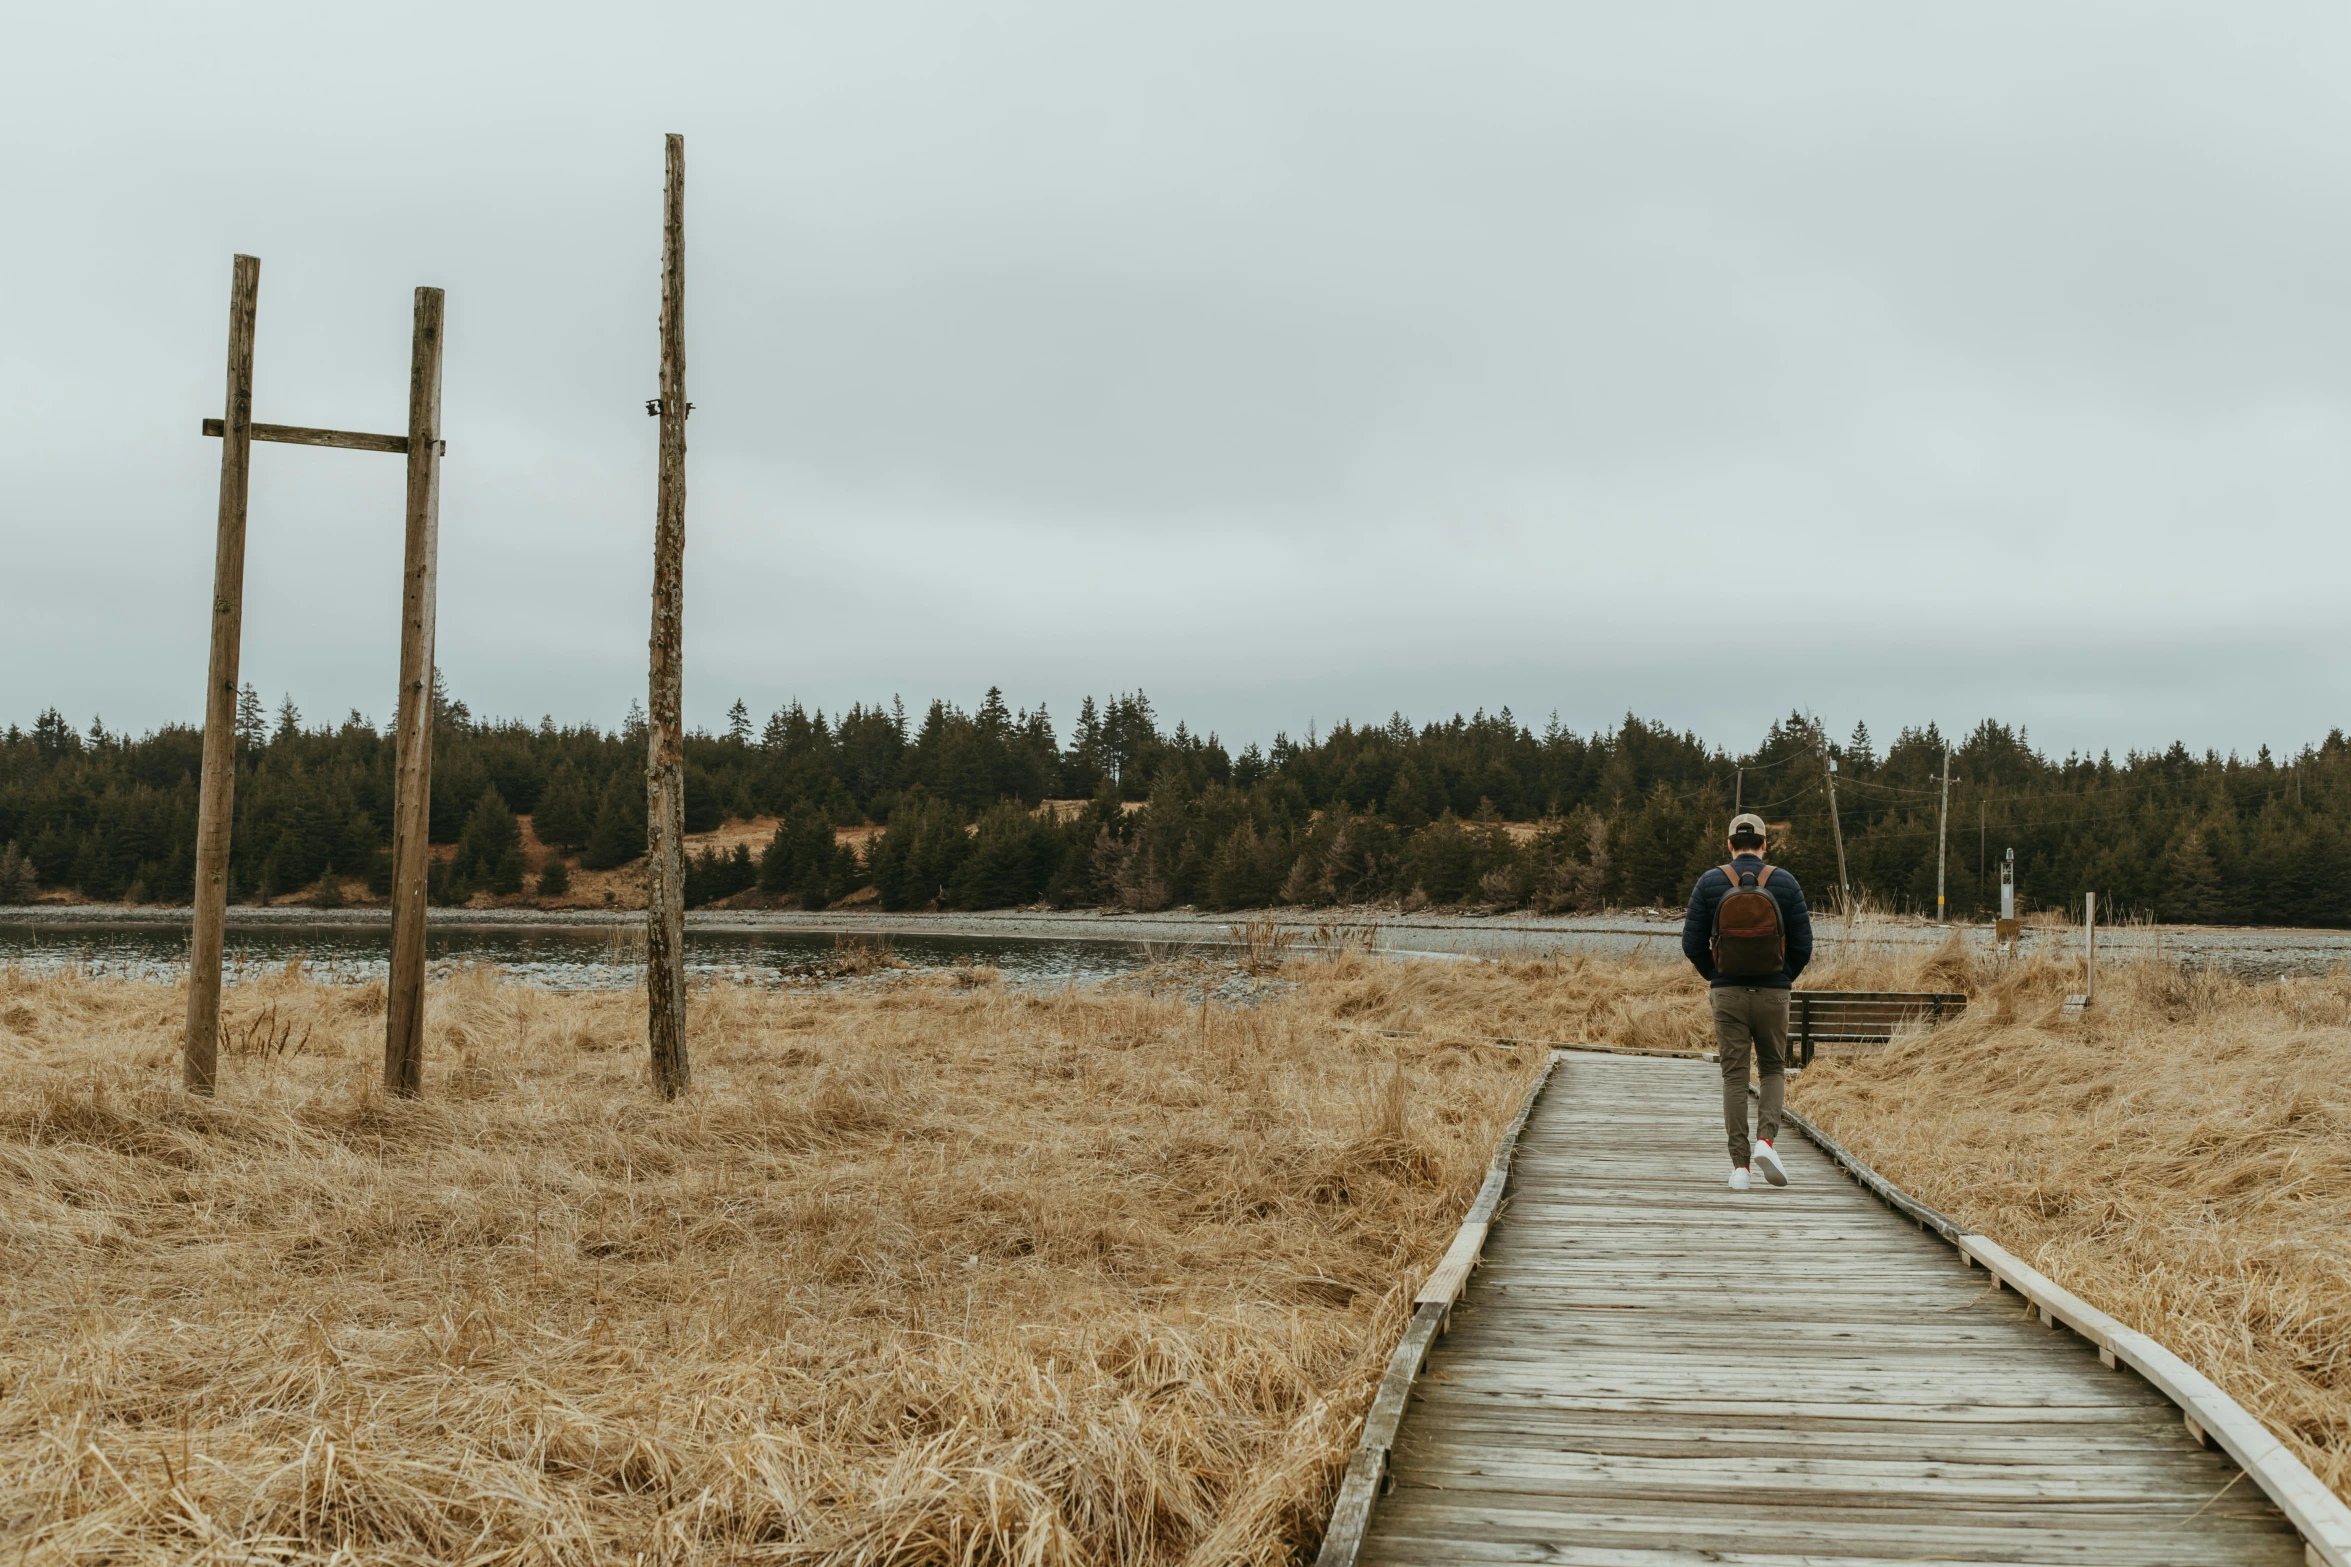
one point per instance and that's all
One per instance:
(928, 1274)
(941, 1273)
(2181, 1159)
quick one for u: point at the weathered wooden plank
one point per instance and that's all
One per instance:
(2023, 1444)
(303, 435)
(1842, 1481)
(1469, 1535)
(1491, 1357)
(1463, 1379)
(1452, 1273)
(1409, 1550)
(2225, 1533)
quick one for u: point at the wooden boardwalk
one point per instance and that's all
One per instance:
(1651, 1370)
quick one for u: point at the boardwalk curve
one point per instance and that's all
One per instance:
(1652, 1370)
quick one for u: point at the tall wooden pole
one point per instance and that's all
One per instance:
(665, 760)
(413, 709)
(216, 796)
(1942, 834)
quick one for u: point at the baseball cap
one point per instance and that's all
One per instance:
(1748, 821)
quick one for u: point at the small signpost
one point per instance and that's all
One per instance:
(2075, 1006)
(2089, 948)
(216, 795)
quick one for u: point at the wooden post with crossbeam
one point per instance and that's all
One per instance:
(665, 749)
(215, 811)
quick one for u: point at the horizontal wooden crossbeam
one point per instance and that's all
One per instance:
(297, 435)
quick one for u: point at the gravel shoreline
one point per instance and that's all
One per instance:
(1457, 934)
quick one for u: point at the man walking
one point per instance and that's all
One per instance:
(1749, 936)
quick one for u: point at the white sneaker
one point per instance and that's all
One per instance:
(1739, 1179)
(1769, 1163)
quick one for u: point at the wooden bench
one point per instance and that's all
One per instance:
(1861, 1017)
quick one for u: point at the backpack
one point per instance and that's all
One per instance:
(1748, 942)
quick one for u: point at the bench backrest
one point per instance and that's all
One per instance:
(1862, 1017)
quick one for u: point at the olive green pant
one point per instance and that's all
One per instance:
(1751, 1016)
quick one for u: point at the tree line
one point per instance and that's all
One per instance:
(1483, 810)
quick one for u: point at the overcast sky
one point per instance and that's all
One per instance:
(1286, 361)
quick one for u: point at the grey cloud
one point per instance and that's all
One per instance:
(1287, 361)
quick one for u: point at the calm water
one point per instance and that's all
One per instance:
(1034, 951)
(586, 957)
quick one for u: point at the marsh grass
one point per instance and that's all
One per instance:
(938, 1272)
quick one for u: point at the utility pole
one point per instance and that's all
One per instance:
(665, 746)
(1942, 833)
(1739, 798)
(216, 794)
(1836, 827)
(412, 761)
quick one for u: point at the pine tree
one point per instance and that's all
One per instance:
(53, 736)
(619, 835)
(1408, 804)
(554, 877)
(739, 723)
(1857, 749)
(289, 720)
(444, 884)
(567, 810)
(17, 883)
(489, 850)
(704, 811)
(251, 730)
(448, 712)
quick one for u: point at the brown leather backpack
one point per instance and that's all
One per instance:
(1748, 941)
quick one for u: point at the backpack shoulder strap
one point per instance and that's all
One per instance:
(1765, 877)
(1730, 873)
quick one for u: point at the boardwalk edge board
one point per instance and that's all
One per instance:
(1512, 1042)
(1342, 1538)
(2212, 1416)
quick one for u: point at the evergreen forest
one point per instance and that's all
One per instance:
(1482, 811)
